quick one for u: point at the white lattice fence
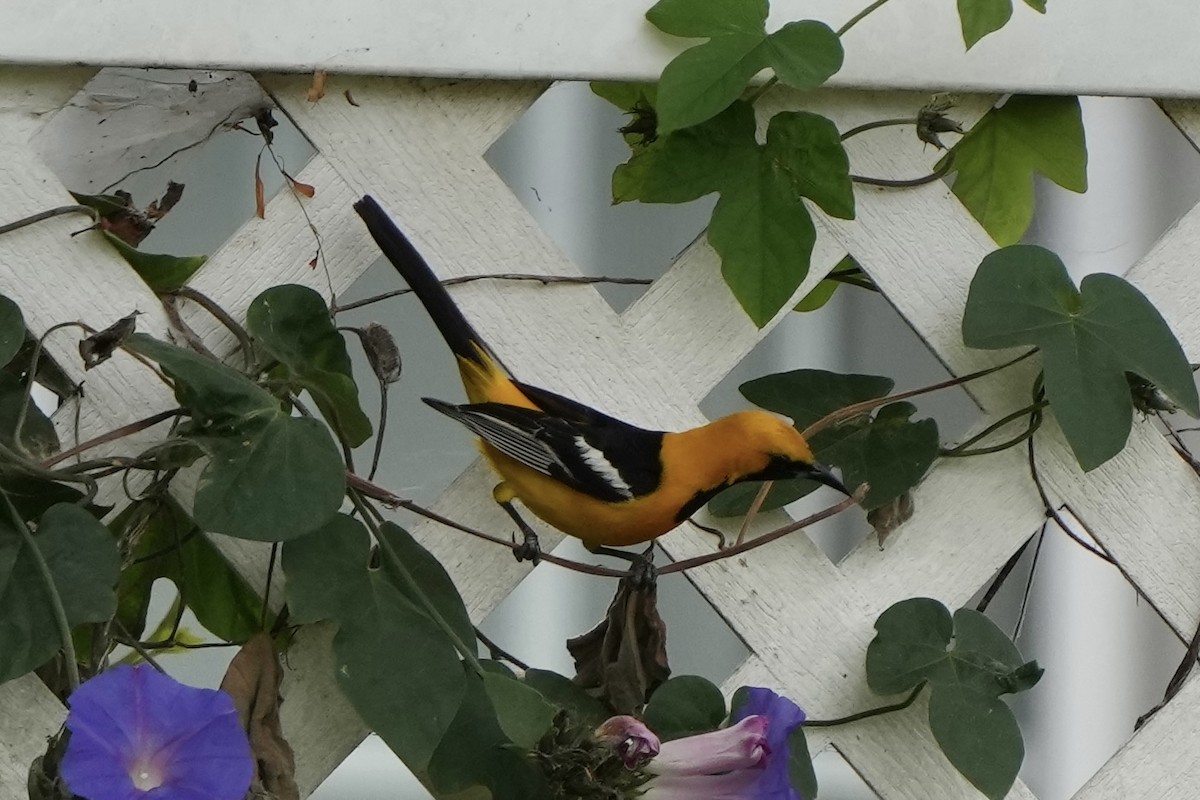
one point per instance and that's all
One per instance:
(418, 146)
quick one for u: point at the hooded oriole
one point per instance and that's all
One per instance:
(589, 475)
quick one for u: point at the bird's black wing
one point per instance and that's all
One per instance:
(585, 449)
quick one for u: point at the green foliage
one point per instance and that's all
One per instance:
(83, 563)
(523, 714)
(292, 323)
(968, 663)
(394, 664)
(476, 750)
(270, 476)
(37, 438)
(162, 273)
(981, 17)
(996, 160)
(565, 693)
(167, 544)
(1089, 337)
(429, 579)
(12, 330)
(760, 227)
(685, 706)
(889, 450)
(703, 80)
(845, 271)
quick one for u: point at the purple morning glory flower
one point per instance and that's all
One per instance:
(784, 717)
(746, 761)
(137, 734)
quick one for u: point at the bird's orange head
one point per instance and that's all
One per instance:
(767, 447)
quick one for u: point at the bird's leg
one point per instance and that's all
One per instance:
(642, 572)
(530, 549)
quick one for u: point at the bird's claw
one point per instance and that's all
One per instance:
(529, 549)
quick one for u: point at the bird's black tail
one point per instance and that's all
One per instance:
(458, 333)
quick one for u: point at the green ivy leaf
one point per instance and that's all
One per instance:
(823, 292)
(981, 17)
(691, 163)
(169, 545)
(888, 450)
(968, 663)
(765, 236)
(700, 19)
(38, 437)
(1037, 5)
(292, 323)
(523, 714)
(804, 54)
(891, 452)
(760, 227)
(32, 496)
(996, 160)
(396, 667)
(12, 330)
(83, 562)
(685, 706)
(703, 80)
(808, 149)
(1089, 338)
(431, 579)
(980, 737)
(564, 693)
(476, 752)
(162, 273)
(270, 476)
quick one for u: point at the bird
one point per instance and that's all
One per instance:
(600, 479)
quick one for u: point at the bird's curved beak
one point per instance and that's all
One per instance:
(822, 474)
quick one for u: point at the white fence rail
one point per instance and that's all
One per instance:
(418, 145)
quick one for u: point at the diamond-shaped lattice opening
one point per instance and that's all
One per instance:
(1107, 653)
(558, 159)
(134, 130)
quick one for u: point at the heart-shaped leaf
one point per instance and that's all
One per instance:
(1089, 338)
(968, 663)
(293, 324)
(83, 562)
(685, 705)
(270, 476)
(395, 665)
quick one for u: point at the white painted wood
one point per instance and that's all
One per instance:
(418, 146)
(1078, 46)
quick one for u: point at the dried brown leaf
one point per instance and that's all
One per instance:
(890, 516)
(99, 347)
(317, 90)
(260, 200)
(252, 680)
(624, 659)
(306, 189)
(159, 208)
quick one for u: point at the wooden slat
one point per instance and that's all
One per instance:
(1078, 46)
